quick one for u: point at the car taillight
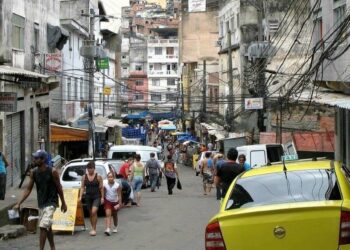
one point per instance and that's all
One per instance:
(344, 232)
(213, 237)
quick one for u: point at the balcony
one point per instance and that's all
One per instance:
(162, 73)
(163, 43)
(138, 73)
(163, 58)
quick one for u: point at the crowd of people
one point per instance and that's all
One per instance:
(123, 189)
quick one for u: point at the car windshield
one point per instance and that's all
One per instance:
(289, 187)
(75, 173)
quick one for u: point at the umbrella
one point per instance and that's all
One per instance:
(168, 127)
(162, 122)
(189, 142)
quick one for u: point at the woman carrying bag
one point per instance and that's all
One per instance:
(170, 172)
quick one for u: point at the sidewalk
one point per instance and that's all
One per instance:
(13, 194)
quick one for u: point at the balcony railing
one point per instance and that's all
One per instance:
(162, 72)
(163, 57)
(163, 42)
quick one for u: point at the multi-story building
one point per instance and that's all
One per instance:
(334, 72)
(198, 35)
(137, 86)
(163, 74)
(25, 42)
(142, 68)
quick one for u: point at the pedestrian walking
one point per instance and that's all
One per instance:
(48, 188)
(206, 171)
(137, 177)
(218, 161)
(242, 162)
(112, 203)
(3, 165)
(92, 186)
(228, 171)
(153, 169)
(170, 172)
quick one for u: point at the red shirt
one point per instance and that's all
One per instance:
(122, 170)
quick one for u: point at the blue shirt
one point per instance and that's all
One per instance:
(210, 163)
(2, 165)
(246, 166)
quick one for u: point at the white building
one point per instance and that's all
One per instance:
(163, 74)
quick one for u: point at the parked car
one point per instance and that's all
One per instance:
(117, 155)
(302, 205)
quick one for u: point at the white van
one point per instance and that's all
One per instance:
(261, 154)
(117, 155)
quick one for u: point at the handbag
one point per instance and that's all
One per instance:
(178, 184)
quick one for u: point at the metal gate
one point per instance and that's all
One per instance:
(15, 147)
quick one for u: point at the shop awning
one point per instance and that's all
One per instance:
(61, 133)
(111, 123)
(13, 71)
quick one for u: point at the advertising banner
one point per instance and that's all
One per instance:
(197, 5)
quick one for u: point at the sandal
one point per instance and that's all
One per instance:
(92, 233)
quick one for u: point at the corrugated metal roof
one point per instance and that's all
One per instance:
(13, 71)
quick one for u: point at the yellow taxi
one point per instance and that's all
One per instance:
(299, 205)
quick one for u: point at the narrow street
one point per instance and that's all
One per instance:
(162, 222)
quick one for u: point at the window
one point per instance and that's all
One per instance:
(76, 88)
(36, 37)
(283, 188)
(171, 82)
(138, 67)
(221, 31)
(170, 50)
(69, 92)
(81, 88)
(318, 30)
(100, 100)
(138, 97)
(257, 157)
(170, 97)
(18, 23)
(156, 82)
(339, 15)
(156, 97)
(157, 66)
(158, 50)
(139, 82)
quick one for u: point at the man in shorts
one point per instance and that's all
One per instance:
(49, 188)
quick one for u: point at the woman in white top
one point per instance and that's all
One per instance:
(112, 202)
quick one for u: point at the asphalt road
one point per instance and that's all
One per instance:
(161, 222)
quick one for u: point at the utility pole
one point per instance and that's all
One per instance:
(91, 60)
(103, 94)
(204, 105)
(260, 68)
(183, 108)
(231, 100)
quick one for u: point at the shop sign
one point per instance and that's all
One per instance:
(254, 103)
(197, 5)
(53, 62)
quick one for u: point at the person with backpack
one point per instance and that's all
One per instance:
(170, 172)
(153, 169)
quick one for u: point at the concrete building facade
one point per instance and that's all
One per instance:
(24, 42)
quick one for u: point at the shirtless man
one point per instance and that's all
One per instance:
(207, 173)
